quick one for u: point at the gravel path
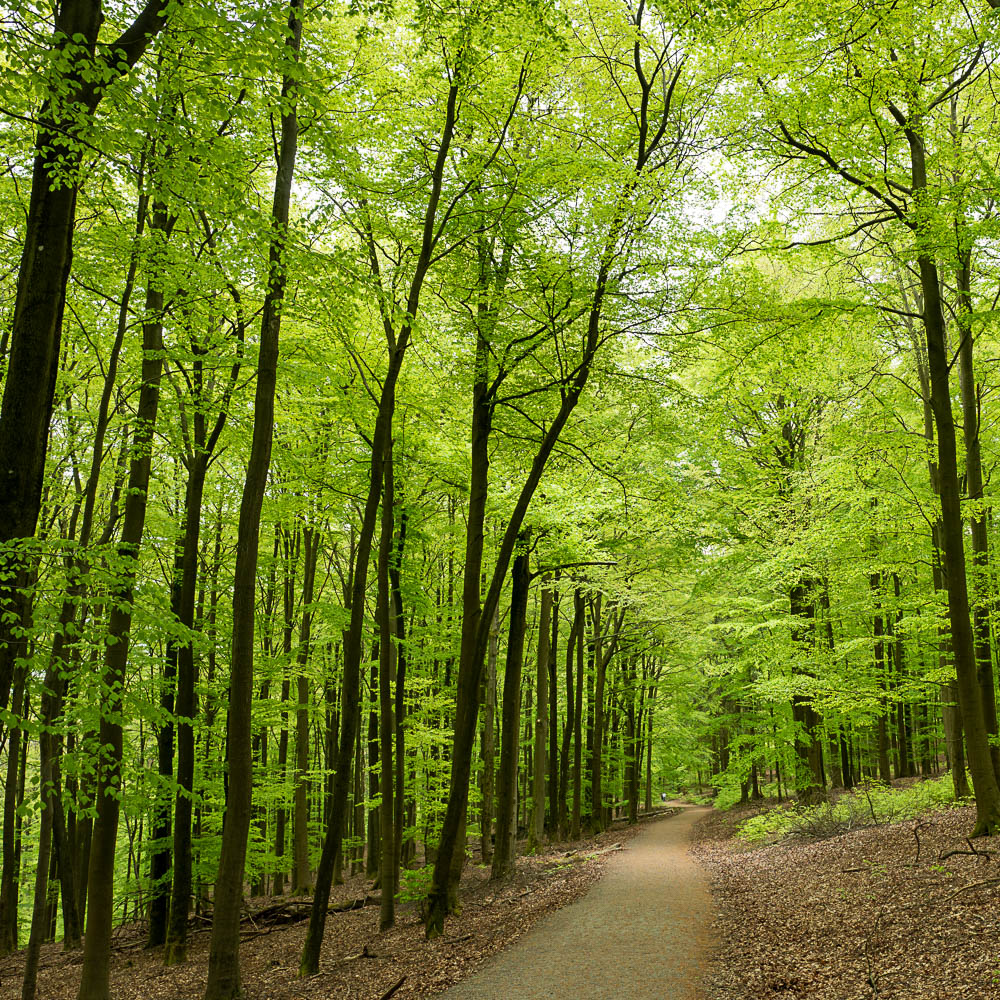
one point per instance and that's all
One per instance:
(638, 934)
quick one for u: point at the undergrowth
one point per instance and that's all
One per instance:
(873, 804)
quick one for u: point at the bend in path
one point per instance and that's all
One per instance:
(641, 933)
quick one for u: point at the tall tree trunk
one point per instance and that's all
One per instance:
(159, 865)
(300, 873)
(809, 781)
(381, 441)
(600, 668)
(186, 708)
(878, 630)
(36, 325)
(488, 743)
(474, 639)
(979, 517)
(567, 735)
(395, 572)
(383, 613)
(537, 827)
(224, 981)
(97, 944)
(510, 727)
(574, 832)
(554, 720)
(984, 779)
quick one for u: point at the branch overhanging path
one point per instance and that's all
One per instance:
(641, 933)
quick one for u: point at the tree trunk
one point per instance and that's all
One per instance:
(567, 735)
(186, 707)
(395, 571)
(984, 779)
(537, 827)
(388, 872)
(809, 781)
(596, 791)
(36, 325)
(300, 873)
(12, 799)
(878, 630)
(553, 720)
(574, 832)
(980, 514)
(488, 744)
(224, 982)
(503, 856)
(94, 983)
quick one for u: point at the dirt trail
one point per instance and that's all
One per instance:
(638, 934)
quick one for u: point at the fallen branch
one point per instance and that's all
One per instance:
(364, 953)
(970, 886)
(973, 852)
(567, 855)
(392, 989)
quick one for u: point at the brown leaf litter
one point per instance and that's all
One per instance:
(357, 961)
(907, 911)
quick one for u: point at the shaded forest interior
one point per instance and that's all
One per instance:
(433, 432)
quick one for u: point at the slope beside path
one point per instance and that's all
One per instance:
(641, 933)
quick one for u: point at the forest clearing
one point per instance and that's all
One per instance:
(444, 443)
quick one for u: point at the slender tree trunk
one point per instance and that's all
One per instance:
(383, 613)
(554, 720)
(537, 826)
(978, 519)
(300, 875)
(36, 325)
(984, 779)
(395, 571)
(94, 983)
(503, 856)
(39, 921)
(567, 736)
(596, 791)
(878, 630)
(578, 721)
(224, 982)
(159, 866)
(488, 744)
(809, 782)
(9, 880)
(186, 707)
(381, 441)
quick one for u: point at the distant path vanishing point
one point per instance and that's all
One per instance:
(640, 933)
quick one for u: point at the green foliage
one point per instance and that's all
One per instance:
(872, 805)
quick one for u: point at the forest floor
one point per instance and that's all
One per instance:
(884, 913)
(357, 962)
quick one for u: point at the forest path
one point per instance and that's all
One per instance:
(640, 933)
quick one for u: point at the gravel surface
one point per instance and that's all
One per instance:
(641, 933)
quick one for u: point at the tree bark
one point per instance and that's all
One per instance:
(984, 779)
(574, 832)
(224, 981)
(388, 871)
(488, 744)
(537, 827)
(510, 731)
(979, 516)
(94, 983)
(36, 325)
(300, 872)
(809, 780)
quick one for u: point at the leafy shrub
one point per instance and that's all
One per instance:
(415, 883)
(873, 804)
